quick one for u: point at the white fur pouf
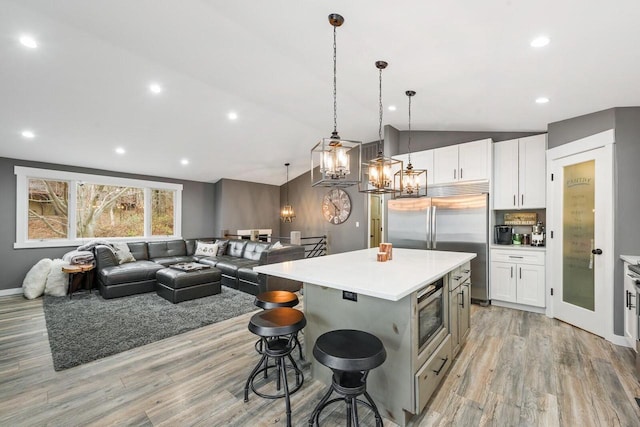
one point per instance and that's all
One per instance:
(57, 281)
(34, 282)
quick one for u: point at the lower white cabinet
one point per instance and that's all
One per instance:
(630, 307)
(459, 306)
(517, 276)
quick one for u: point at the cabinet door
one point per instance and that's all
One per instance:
(423, 160)
(505, 174)
(630, 310)
(503, 281)
(473, 160)
(453, 320)
(532, 161)
(530, 285)
(464, 311)
(445, 164)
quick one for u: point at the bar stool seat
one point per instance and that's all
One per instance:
(277, 329)
(350, 354)
(277, 299)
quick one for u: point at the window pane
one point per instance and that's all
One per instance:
(162, 212)
(110, 211)
(48, 214)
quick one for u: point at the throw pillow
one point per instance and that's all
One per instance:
(222, 246)
(34, 282)
(123, 253)
(206, 249)
(277, 245)
(57, 281)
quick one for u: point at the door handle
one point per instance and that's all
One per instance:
(596, 251)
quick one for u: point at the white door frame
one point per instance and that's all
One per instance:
(604, 140)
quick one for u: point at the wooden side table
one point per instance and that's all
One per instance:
(77, 274)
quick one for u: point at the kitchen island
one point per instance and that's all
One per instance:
(396, 301)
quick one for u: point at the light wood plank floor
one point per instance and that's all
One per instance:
(517, 369)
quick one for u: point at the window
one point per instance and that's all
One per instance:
(57, 208)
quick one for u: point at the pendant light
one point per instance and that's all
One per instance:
(414, 181)
(378, 174)
(331, 158)
(287, 214)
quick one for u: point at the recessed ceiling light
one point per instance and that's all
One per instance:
(232, 115)
(542, 100)
(184, 161)
(28, 134)
(392, 108)
(28, 41)
(120, 150)
(155, 88)
(540, 41)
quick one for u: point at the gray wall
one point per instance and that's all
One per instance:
(626, 122)
(307, 205)
(197, 217)
(246, 205)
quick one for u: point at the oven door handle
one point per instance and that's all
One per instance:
(428, 290)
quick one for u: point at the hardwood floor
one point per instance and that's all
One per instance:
(517, 369)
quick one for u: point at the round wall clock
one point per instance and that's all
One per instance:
(336, 206)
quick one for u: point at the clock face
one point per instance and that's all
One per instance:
(336, 206)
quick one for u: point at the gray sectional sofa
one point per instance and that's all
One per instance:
(235, 264)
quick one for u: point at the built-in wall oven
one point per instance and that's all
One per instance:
(431, 320)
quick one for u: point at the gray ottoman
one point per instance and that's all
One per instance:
(177, 286)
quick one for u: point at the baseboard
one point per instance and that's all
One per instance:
(619, 340)
(515, 306)
(12, 291)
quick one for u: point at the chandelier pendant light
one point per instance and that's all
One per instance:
(333, 159)
(414, 181)
(378, 174)
(287, 214)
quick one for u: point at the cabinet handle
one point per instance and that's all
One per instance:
(460, 173)
(462, 292)
(444, 362)
(626, 299)
(512, 272)
(455, 171)
(522, 198)
(513, 256)
(521, 272)
(466, 271)
(514, 200)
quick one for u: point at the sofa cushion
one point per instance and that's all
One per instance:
(248, 274)
(230, 268)
(139, 250)
(130, 272)
(236, 248)
(253, 250)
(123, 253)
(207, 260)
(167, 249)
(190, 245)
(223, 244)
(170, 260)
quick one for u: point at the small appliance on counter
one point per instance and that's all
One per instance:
(503, 234)
(537, 234)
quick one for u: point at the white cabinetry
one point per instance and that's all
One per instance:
(519, 173)
(517, 276)
(470, 161)
(419, 160)
(630, 307)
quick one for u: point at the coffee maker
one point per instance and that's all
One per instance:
(537, 234)
(503, 234)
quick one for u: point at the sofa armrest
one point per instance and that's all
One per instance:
(285, 253)
(104, 257)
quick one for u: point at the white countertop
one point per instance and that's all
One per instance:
(631, 259)
(359, 272)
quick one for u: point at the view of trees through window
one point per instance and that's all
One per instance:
(101, 210)
(48, 209)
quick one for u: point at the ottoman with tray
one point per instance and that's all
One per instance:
(187, 281)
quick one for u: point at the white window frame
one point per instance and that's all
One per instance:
(23, 174)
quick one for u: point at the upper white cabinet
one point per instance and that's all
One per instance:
(419, 160)
(519, 173)
(463, 162)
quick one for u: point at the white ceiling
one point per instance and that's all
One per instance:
(84, 90)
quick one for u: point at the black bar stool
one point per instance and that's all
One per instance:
(350, 354)
(277, 299)
(277, 329)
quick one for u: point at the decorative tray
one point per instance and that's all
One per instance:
(189, 266)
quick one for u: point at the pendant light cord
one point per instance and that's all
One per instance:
(380, 107)
(409, 129)
(335, 103)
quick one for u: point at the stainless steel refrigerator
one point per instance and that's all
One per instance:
(454, 223)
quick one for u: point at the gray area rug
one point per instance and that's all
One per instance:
(89, 327)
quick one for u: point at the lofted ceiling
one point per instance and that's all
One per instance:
(84, 91)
